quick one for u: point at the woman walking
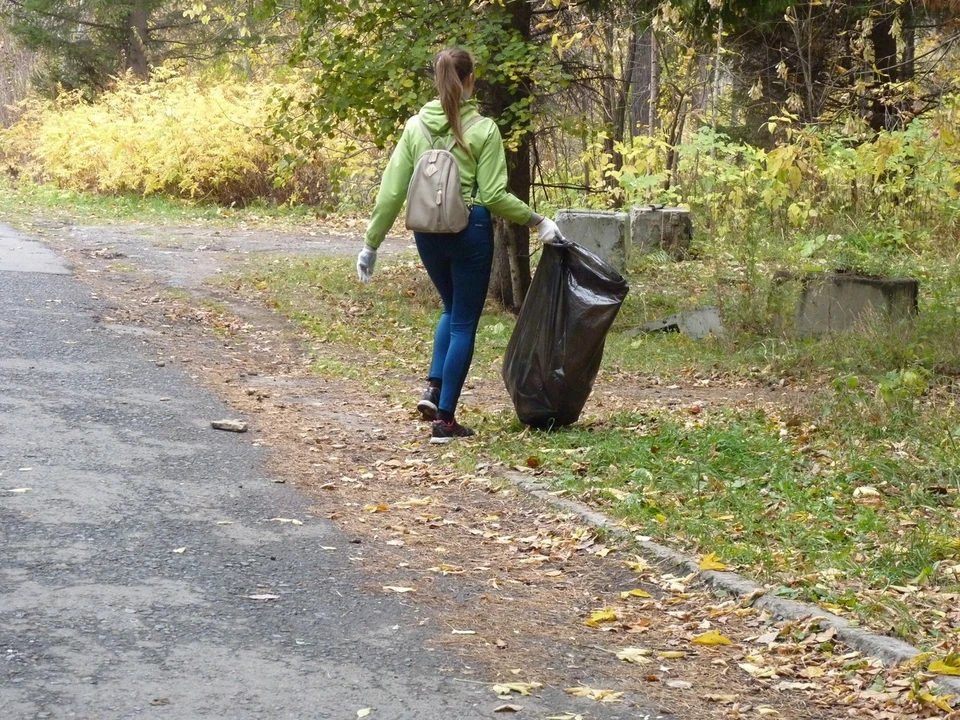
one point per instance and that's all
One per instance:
(458, 263)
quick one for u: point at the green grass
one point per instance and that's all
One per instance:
(775, 495)
(28, 201)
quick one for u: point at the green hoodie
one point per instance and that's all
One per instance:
(488, 169)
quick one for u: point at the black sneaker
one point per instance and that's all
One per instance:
(428, 403)
(443, 432)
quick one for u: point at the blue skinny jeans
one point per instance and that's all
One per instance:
(459, 266)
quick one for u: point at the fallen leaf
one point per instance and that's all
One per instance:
(601, 616)
(463, 632)
(795, 686)
(710, 638)
(758, 672)
(364, 712)
(722, 699)
(375, 508)
(811, 672)
(595, 694)
(636, 592)
(939, 700)
(638, 656)
(671, 654)
(565, 716)
(519, 688)
(638, 566)
(508, 708)
(950, 665)
(712, 562)
(766, 710)
(286, 520)
(678, 684)
(553, 573)
(398, 589)
(264, 596)
(414, 502)
(180, 551)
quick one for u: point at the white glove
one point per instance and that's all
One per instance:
(547, 230)
(366, 260)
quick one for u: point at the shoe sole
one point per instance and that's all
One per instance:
(445, 440)
(427, 410)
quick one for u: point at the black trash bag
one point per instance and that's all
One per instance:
(554, 353)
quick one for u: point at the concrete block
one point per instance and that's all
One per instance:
(604, 233)
(655, 227)
(838, 302)
(696, 324)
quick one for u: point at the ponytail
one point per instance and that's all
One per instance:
(452, 67)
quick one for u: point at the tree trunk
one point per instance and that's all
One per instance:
(640, 105)
(137, 38)
(888, 66)
(510, 278)
(654, 83)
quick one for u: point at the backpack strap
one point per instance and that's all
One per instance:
(426, 133)
(453, 141)
(466, 126)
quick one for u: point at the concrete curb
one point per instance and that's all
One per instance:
(890, 650)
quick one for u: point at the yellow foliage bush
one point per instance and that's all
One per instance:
(176, 135)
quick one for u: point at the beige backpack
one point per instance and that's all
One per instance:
(434, 200)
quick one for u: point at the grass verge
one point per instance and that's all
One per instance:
(850, 499)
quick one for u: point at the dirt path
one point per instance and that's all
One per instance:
(513, 582)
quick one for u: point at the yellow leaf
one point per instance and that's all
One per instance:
(950, 665)
(516, 687)
(660, 518)
(364, 712)
(593, 694)
(712, 638)
(638, 566)
(636, 592)
(638, 656)
(375, 508)
(601, 616)
(712, 562)
(811, 672)
(765, 710)
(941, 701)
(671, 654)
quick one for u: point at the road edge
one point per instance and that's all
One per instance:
(883, 647)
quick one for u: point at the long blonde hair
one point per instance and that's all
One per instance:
(452, 67)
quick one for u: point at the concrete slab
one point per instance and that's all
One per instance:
(604, 233)
(696, 324)
(655, 227)
(839, 302)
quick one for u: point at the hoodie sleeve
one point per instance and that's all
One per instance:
(492, 181)
(393, 188)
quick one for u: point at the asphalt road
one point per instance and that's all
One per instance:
(134, 540)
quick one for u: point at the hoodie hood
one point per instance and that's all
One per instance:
(435, 119)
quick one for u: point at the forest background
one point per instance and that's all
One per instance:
(802, 136)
